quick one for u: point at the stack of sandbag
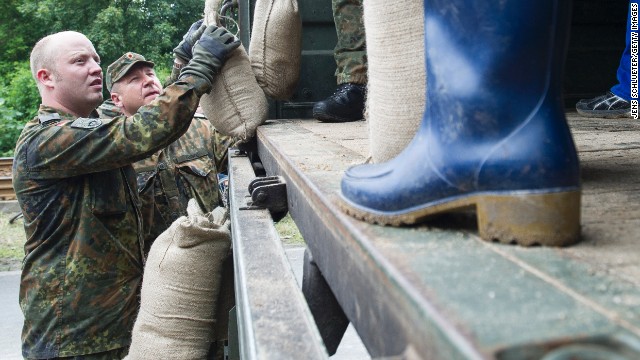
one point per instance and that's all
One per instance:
(180, 288)
(396, 71)
(276, 47)
(236, 105)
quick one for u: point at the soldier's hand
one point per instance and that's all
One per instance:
(210, 52)
(184, 48)
(218, 42)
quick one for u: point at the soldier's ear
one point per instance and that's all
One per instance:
(46, 78)
(117, 100)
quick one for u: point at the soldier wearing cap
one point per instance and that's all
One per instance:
(77, 191)
(183, 170)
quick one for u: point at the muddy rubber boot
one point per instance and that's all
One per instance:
(494, 135)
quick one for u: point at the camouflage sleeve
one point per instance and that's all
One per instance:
(221, 145)
(90, 145)
(108, 110)
(175, 72)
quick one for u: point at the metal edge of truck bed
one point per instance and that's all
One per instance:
(439, 292)
(274, 321)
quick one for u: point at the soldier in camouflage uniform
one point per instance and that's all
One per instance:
(347, 102)
(183, 170)
(77, 191)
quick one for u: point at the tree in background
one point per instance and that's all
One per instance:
(19, 100)
(148, 27)
(15, 36)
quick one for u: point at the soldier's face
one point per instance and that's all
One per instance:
(137, 88)
(77, 76)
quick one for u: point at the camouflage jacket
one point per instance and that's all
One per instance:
(108, 110)
(77, 190)
(169, 178)
(221, 144)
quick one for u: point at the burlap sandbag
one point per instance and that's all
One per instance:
(211, 8)
(180, 288)
(276, 47)
(236, 105)
(396, 70)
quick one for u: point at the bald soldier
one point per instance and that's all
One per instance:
(77, 190)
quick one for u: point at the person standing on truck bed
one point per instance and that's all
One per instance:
(77, 190)
(616, 102)
(350, 54)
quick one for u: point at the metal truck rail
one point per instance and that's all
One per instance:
(437, 291)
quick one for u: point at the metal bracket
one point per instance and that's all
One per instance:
(269, 192)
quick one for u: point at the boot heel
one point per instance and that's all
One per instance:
(550, 219)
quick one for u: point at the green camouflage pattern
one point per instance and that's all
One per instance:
(186, 169)
(222, 143)
(108, 110)
(175, 73)
(119, 353)
(350, 52)
(169, 178)
(84, 250)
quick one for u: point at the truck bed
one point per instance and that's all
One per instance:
(437, 290)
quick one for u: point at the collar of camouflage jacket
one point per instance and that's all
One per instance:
(47, 113)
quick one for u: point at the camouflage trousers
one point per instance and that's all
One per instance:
(114, 354)
(350, 51)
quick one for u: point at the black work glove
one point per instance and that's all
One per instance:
(210, 53)
(184, 49)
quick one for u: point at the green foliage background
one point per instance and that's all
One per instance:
(149, 27)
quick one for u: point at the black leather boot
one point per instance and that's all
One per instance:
(346, 104)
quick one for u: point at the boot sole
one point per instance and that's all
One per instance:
(333, 119)
(605, 114)
(524, 218)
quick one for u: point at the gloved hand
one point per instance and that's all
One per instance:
(183, 50)
(210, 53)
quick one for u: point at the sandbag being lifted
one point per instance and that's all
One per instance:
(276, 46)
(236, 105)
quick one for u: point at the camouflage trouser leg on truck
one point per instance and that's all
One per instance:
(350, 51)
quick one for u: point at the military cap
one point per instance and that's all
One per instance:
(121, 67)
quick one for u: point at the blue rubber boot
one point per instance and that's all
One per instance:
(494, 135)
